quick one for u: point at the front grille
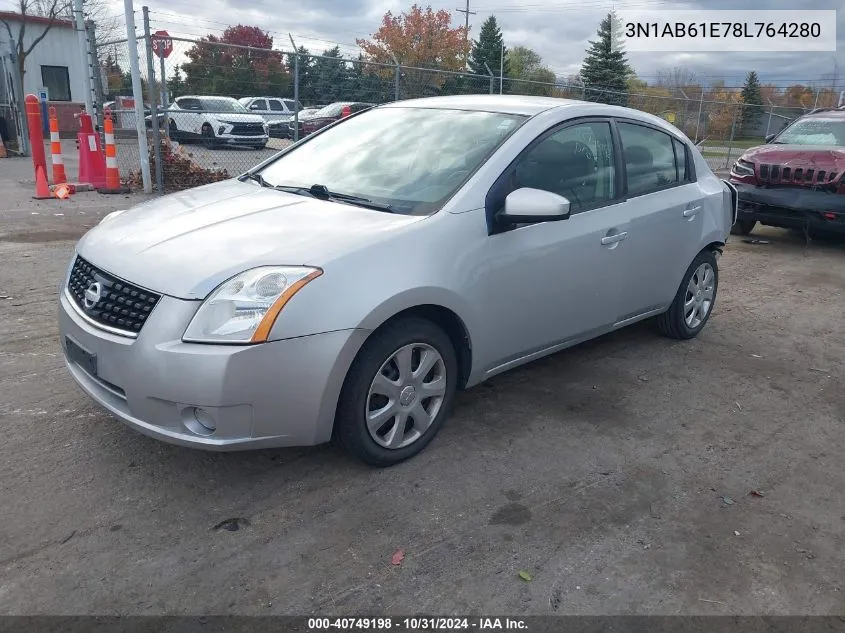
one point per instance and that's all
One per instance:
(247, 129)
(119, 304)
(806, 177)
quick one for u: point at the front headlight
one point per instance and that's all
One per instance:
(743, 168)
(244, 308)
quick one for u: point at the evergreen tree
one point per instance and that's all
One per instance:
(606, 68)
(752, 98)
(489, 48)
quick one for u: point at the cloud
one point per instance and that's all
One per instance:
(559, 30)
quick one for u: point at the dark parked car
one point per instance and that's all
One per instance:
(797, 179)
(331, 113)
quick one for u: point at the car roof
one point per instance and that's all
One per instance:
(825, 113)
(506, 104)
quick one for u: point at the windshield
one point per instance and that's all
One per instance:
(814, 131)
(222, 105)
(412, 159)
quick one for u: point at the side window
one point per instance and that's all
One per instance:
(681, 160)
(289, 105)
(575, 162)
(188, 104)
(276, 105)
(649, 158)
(258, 104)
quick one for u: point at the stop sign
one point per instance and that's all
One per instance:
(162, 44)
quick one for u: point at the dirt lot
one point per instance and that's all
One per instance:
(617, 473)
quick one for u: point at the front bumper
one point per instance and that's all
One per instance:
(281, 393)
(791, 207)
(232, 139)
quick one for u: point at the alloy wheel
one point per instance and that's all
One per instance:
(405, 395)
(699, 297)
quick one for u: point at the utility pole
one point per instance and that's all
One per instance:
(138, 95)
(466, 13)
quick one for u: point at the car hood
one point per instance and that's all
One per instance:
(186, 244)
(817, 157)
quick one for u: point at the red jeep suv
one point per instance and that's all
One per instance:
(797, 179)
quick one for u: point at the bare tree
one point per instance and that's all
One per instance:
(677, 77)
(38, 14)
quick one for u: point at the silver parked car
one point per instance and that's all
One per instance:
(348, 286)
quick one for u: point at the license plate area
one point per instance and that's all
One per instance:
(82, 357)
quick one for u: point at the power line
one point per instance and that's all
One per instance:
(466, 13)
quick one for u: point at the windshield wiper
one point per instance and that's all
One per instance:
(256, 177)
(321, 192)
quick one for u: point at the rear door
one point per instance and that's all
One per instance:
(665, 208)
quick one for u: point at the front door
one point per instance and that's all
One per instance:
(549, 284)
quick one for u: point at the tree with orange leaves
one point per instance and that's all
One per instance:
(420, 38)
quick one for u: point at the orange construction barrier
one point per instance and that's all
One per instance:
(36, 142)
(3, 152)
(59, 176)
(112, 172)
(92, 166)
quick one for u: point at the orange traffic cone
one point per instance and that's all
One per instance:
(56, 150)
(62, 192)
(3, 152)
(112, 174)
(42, 190)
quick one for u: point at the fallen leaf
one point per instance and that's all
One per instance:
(526, 576)
(728, 501)
(756, 493)
(736, 533)
(398, 557)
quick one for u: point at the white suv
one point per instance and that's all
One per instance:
(271, 108)
(216, 121)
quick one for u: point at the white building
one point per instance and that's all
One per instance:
(55, 64)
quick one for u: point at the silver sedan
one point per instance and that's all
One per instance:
(348, 286)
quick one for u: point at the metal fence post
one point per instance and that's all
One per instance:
(295, 89)
(153, 91)
(492, 78)
(97, 80)
(397, 77)
(771, 110)
(165, 98)
(700, 107)
(731, 140)
(138, 95)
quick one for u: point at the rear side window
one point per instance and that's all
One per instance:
(681, 159)
(276, 105)
(649, 155)
(290, 105)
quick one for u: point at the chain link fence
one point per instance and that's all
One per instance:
(219, 109)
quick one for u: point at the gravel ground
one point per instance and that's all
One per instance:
(617, 473)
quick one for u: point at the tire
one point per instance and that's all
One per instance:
(743, 227)
(407, 338)
(676, 322)
(208, 139)
(174, 131)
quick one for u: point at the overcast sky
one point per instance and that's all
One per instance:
(557, 29)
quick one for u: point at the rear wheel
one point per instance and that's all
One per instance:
(174, 131)
(743, 227)
(398, 392)
(693, 304)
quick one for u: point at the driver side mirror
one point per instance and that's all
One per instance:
(769, 138)
(528, 206)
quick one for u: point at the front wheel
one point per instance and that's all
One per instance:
(694, 301)
(208, 138)
(398, 392)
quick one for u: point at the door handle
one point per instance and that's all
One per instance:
(612, 239)
(688, 213)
